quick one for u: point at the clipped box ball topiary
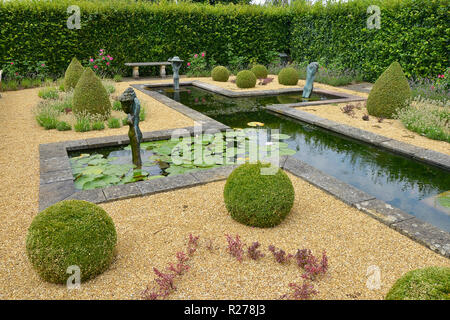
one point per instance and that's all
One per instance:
(258, 200)
(432, 283)
(71, 233)
(73, 74)
(220, 73)
(390, 92)
(260, 71)
(90, 97)
(288, 76)
(245, 79)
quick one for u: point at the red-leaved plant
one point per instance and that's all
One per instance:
(280, 255)
(301, 292)
(235, 247)
(253, 251)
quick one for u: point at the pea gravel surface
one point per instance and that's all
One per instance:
(152, 229)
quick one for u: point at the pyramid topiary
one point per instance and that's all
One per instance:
(260, 71)
(220, 73)
(90, 97)
(73, 74)
(390, 92)
(245, 79)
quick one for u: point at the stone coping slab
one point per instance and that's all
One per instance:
(420, 154)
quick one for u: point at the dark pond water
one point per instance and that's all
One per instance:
(409, 185)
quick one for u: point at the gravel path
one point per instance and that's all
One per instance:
(151, 229)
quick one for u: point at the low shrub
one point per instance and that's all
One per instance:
(48, 93)
(258, 200)
(427, 117)
(142, 113)
(117, 106)
(113, 123)
(82, 124)
(26, 83)
(220, 73)
(36, 82)
(117, 78)
(98, 125)
(288, 76)
(109, 86)
(63, 126)
(260, 71)
(432, 283)
(390, 93)
(47, 116)
(245, 79)
(11, 85)
(71, 233)
(125, 121)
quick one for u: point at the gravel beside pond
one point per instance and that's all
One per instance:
(152, 229)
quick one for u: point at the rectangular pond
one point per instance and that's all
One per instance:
(414, 187)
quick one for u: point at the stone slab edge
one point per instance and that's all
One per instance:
(428, 235)
(420, 154)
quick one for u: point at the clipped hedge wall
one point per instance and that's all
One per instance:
(413, 32)
(142, 31)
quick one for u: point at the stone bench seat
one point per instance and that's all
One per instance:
(136, 65)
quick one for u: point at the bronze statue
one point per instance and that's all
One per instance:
(176, 65)
(132, 107)
(311, 71)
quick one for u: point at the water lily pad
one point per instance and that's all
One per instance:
(255, 124)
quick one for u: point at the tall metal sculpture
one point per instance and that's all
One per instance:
(311, 71)
(176, 65)
(132, 107)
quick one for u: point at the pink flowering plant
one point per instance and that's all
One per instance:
(197, 65)
(17, 71)
(101, 64)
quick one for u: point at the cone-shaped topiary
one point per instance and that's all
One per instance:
(245, 79)
(259, 200)
(390, 92)
(220, 73)
(90, 96)
(260, 71)
(288, 76)
(432, 283)
(71, 233)
(73, 74)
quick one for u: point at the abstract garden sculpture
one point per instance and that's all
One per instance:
(311, 71)
(132, 107)
(176, 65)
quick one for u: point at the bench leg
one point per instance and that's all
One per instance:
(162, 71)
(136, 72)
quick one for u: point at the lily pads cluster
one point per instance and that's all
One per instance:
(177, 156)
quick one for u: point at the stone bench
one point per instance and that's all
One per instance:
(136, 65)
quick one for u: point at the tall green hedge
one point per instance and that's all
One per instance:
(140, 31)
(413, 32)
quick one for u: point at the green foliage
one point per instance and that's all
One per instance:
(91, 97)
(11, 85)
(98, 125)
(245, 79)
(116, 105)
(26, 83)
(260, 71)
(412, 32)
(427, 117)
(68, 233)
(143, 113)
(390, 93)
(63, 126)
(258, 200)
(47, 116)
(432, 283)
(113, 123)
(117, 78)
(220, 73)
(73, 74)
(288, 76)
(48, 93)
(109, 86)
(83, 124)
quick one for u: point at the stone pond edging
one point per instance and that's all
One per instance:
(56, 179)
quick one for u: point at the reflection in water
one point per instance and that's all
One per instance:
(396, 180)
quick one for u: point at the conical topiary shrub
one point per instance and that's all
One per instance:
(390, 92)
(90, 97)
(73, 74)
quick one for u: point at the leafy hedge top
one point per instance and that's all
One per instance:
(71, 232)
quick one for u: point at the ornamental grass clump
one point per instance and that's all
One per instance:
(220, 73)
(256, 199)
(432, 283)
(73, 74)
(71, 233)
(245, 79)
(288, 77)
(260, 71)
(91, 97)
(390, 93)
